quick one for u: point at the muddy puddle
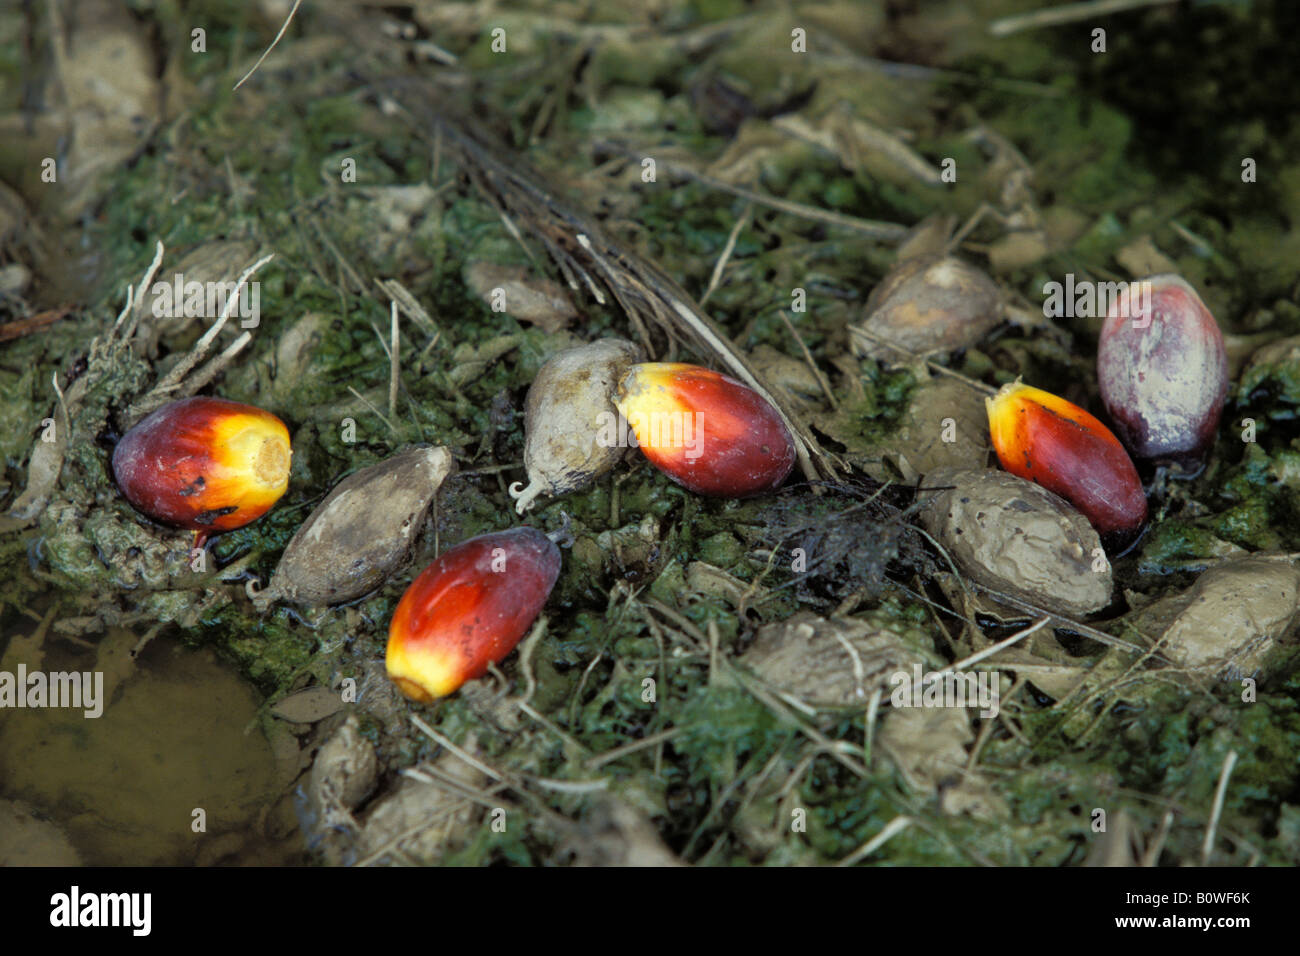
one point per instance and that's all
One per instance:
(174, 770)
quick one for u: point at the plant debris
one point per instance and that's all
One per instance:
(420, 214)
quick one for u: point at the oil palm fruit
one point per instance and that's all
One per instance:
(1044, 438)
(1163, 372)
(468, 609)
(705, 430)
(205, 464)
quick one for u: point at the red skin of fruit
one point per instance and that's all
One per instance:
(205, 464)
(742, 447)
(469, 609)
(1055, 443)
(1164, 376)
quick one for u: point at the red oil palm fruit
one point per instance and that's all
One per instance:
(705, 430)
(1163, 371)
(206, 464)
(1044, 438)
(469, 609)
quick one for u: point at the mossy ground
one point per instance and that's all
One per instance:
(1105, 145)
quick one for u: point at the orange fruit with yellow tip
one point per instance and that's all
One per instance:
(469, 609)
(1057, 444)
(205, 464)
(705, 430)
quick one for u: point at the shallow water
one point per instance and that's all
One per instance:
(174, 771)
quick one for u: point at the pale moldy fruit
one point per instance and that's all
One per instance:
(929, 747)
(927, 304)
(425, 816)
(831, 663)
(527, 298)
(945, 426)
(361, 533)
(568, 415)
(614, 832)
(1014, 536)
(342, 776)
(1232, 619)
(1163, 372)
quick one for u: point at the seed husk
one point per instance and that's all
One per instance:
(1232, 620)
(567, 417)
(927, 304)
(361, 533)
(1014, 536)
